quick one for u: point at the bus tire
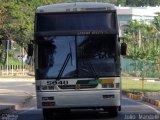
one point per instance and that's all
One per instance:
(113, 111)
(48, 114)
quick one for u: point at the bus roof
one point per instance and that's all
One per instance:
(76, 6)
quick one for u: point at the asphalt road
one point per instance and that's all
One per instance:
(131, 110)
(20, 84)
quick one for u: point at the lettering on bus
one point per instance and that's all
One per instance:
(92, 33)
(49, 83)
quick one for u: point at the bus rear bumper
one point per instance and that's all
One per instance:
(79, 99)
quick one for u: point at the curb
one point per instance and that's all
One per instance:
(11, 108)
(7, 109)
(23, 104)
(151, 101)
(134, 96)
(145, 99)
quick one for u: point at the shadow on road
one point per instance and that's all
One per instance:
(82, 115)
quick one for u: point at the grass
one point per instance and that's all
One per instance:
(12, 61)
(136, 86)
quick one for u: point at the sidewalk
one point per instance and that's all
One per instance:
(12, 99)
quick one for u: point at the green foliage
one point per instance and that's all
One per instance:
(143, 41)
(142, 2)
(156, 23)
(18, 25)
(12, 61)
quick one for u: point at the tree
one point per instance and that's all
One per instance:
(142, 43)
(17, 25)
(156, 24)
(142, 2)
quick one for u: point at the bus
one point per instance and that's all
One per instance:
(77, 57)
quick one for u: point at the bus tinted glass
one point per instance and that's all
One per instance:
(76, 22)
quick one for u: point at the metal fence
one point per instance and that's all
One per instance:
(13, 70)
(140, 68)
